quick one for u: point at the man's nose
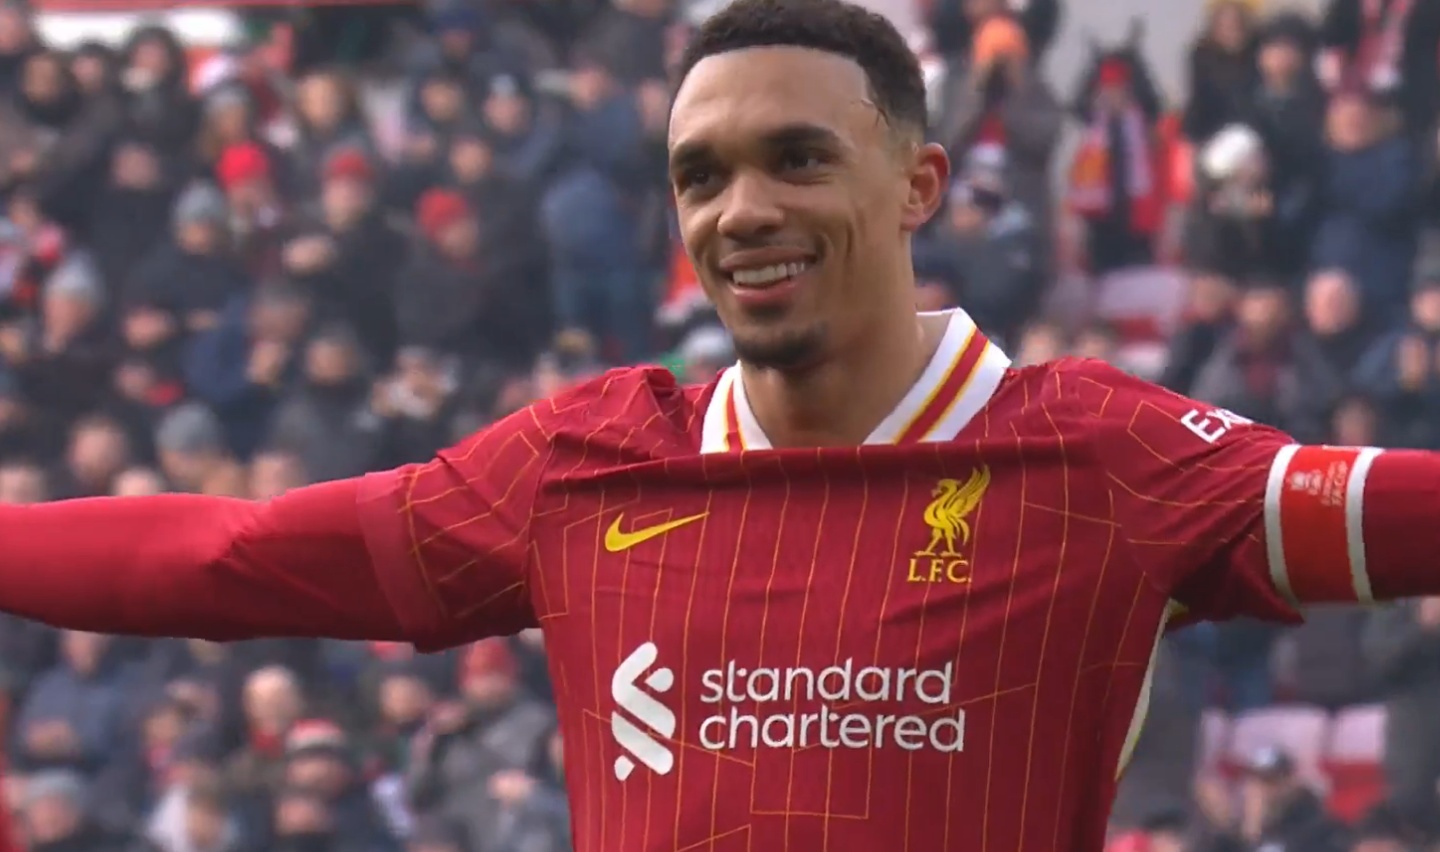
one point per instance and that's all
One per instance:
(750, 207)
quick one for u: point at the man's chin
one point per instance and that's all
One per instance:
(786, 347)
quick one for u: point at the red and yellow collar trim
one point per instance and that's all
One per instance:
(961, 377)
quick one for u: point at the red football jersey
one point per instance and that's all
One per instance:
(938, 640)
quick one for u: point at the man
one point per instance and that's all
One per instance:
(869, 589)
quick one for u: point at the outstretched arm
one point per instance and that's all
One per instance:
(1353, 524)
(1235, 518)
(206, 567)
(435, 554)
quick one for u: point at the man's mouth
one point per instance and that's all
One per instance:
(765, 276)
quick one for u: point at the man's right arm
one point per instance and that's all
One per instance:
(434, 554)
(186, 565)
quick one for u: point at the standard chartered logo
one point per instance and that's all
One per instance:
(658, 719)
(740, 698)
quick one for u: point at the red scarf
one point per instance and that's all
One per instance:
(1090, 185)
(1378, 57)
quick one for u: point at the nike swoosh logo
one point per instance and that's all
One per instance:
(617, 540)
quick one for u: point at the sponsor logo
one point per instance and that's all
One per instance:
(616, 540)
(1212, 425)
(658, 720)
(947, 515)
(787, 708)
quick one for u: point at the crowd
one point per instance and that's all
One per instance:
(288, 262)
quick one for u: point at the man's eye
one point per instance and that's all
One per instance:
(694, 178)
(800, 161)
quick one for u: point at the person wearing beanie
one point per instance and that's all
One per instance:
(349, 164)
(77, 278)
(55, 809)
(495, 727)
(241, 166)
(445, 219)
(246, 174)
(350, 254)
(201, 203)
(190, 441)
(321, 761)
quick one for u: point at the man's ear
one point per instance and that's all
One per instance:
(929, 172)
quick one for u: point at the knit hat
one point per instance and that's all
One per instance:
(490, 656)
(77, 277)
(242, 163)
(200, 202)
(349, 164)
(316, 736)
(225, 96)
(439, 209)
(55, 783)
(1114, 72)
(190, 428)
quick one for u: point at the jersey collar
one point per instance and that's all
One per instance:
(961, 377)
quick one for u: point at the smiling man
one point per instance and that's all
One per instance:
(871, 588)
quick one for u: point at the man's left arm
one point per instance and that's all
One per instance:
(1244, 521)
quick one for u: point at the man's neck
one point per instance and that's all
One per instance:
(840, 402)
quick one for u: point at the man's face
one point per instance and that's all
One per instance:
(1350, 123)
(83, 651)
(345, 199)
(52, 818)
(198, 237)
(204, 826)
(786, 173)
(1280, 60)
(43, 81)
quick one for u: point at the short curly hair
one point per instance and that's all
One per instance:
(832, 26)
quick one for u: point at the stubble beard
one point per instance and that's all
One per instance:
(787, 350)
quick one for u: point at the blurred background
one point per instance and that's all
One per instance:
(244, 248)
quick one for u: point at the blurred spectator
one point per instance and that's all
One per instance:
(493, 728)
(984, 252)
(55, 818)
(1235, 227)
(1368, 225)
(71, 719)
(1385, 46)
(1264, 368)
(1402, 643)
(1116, 187)
(1288, 111)
(1222, 69)
(1275, 810)
(1000, 103)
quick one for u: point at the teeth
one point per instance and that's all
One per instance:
(768, 274)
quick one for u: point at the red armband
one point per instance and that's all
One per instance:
(1353, 524)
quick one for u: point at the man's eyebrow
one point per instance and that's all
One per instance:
(802, 134)
(688, 154)
(798, 134)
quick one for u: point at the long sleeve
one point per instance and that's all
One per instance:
(205, 567)
(1235, 518)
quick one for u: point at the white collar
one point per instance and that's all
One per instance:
(961, 377)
